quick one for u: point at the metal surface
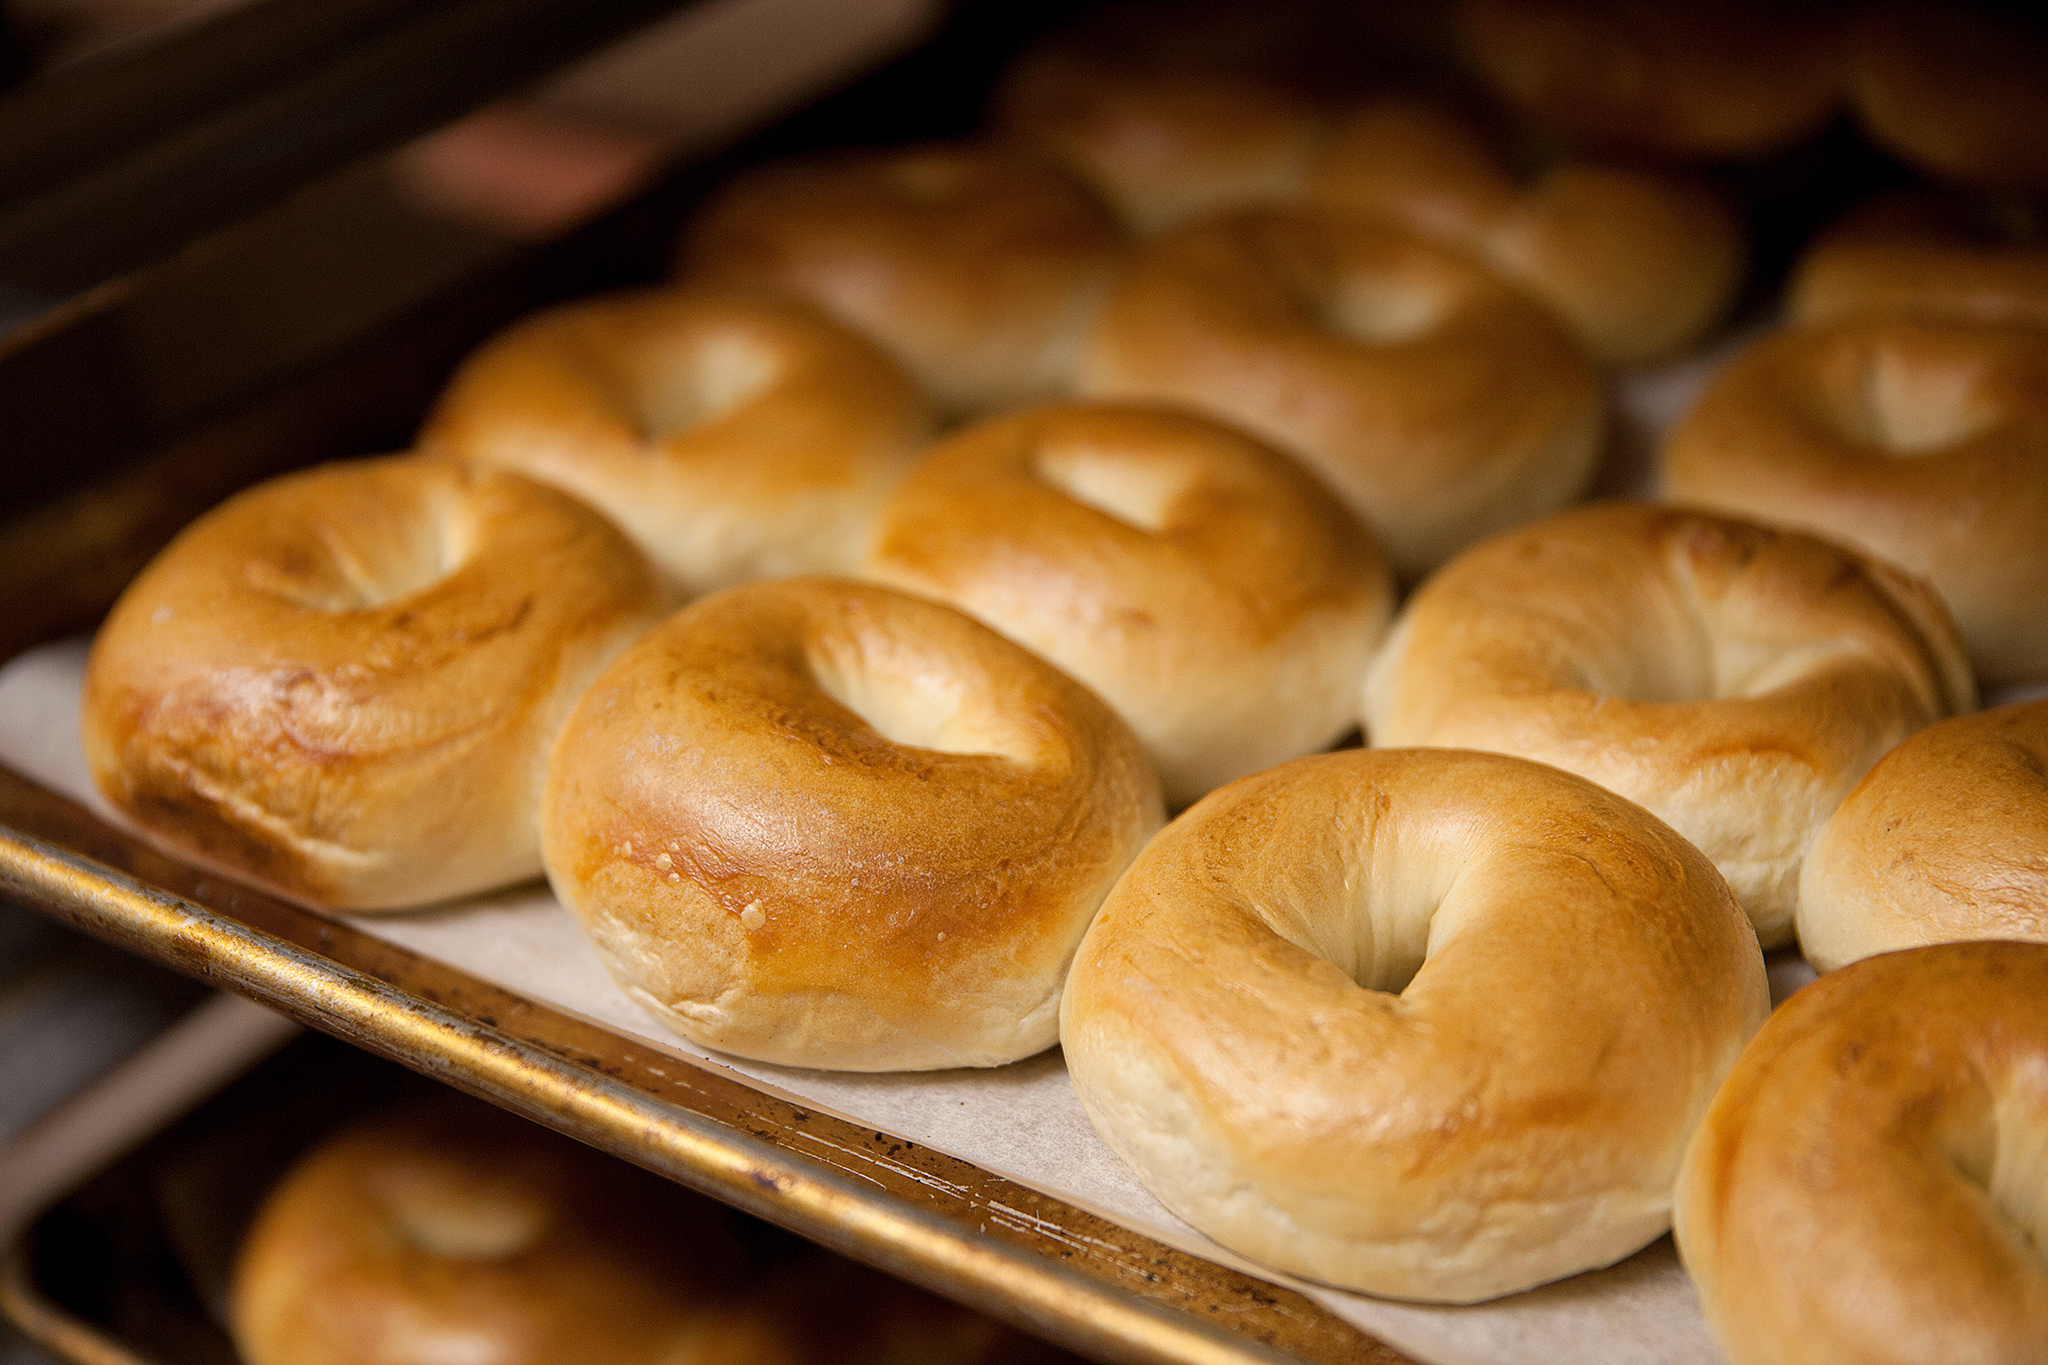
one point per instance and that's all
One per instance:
(987, 1242)
(122, 160)
(43, 1322)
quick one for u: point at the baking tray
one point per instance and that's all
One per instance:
(133, 1263)
(1033, 1261)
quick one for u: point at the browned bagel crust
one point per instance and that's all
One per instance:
(1202, 583)
(1736, 680)
(1946, 839)
(1232, 1029)
(1866, 1189)
(1639, 264)
(1958, 90)
(978, 266)
(1161, 144)
(1692, 79)
(343, 683)
(731, 436)
(1923, 255)
(1439, 403)
(773, 875)
(439, 1232)
(1921, 441)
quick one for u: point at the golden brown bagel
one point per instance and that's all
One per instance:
(1697, 79)
(1159, 143)
(1961, 91)
(1440, 404)
(1203, 584)
(1867, 1188)
(1383, 1019)
(343, 683)
(1923, 442)
(978, 267)
(435, 1234)
(732, 437)
(1735, 680)
(1638, 263)
(826, 824)
(1946, 839)
(1925, 255)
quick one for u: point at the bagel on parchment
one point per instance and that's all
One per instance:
(1424, 1024)
(1866, 1189)
(1684, 79)
(1946, 839)
(732, 436)
(1922, 441)
(1638, 263)
(1960, 91)
(1439, 403)
(978, 266)
(1161, 142)
(343, 684)
(1202, 583)
(825, 824)
(1925, 255)
(1734, 679)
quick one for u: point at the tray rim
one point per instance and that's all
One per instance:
(48, 1325)
(557, 1069)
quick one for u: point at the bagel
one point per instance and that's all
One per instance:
(1960, 91)
(1637, 263)
(731, 437)
(1925, 442)
(825, 824)
(1735, 680)
(1945, 840)
(1866, 1189)
(1424, 1024)
(1161, 144)
(1924, 255)
(1702, 79)
(439, 1233)
(1203, 584)
(978, 267)
(342, 684)
(1437, 402)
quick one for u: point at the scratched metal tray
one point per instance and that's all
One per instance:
(1033, 1261)
(134, 1262)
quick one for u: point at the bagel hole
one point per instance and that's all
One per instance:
(1718, 654)
(1905, 404)
(366, 562)
(930, 179)
(1138, 492)
(1388, 309)
(717, 375)
(908, 702)
(2004, 1152)
(454, 1214)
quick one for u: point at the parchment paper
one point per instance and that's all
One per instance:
(1020, 1121)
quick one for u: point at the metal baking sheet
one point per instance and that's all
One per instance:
(1019, 1255)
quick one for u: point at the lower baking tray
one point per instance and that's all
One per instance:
(134, 1264)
